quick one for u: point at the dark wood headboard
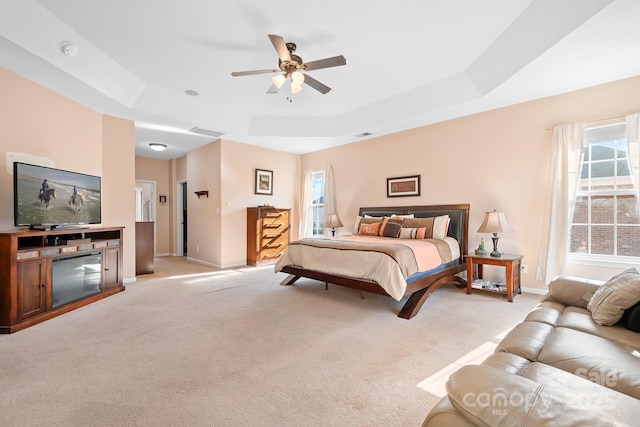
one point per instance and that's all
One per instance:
(458, 214)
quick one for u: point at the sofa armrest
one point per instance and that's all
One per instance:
(573, 291)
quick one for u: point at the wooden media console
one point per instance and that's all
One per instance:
(44, 274)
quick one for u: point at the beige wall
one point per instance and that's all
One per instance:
(203, 174)
(493, 160)
(160, 171)
(217, 224)
(239, 162)
(41, 126)
(118, 183)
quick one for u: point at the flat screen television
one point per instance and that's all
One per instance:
(49, 197)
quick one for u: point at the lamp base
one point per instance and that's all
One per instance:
(333, 231)
(495, 252)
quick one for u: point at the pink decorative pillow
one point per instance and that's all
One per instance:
(369, 229)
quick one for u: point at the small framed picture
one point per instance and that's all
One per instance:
(403, 186)
(264, 182)
(163, 199)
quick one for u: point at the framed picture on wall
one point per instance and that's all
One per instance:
(403, 186)
(264, 182)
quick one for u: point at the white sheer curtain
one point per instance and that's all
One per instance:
(329, 195)
(306, 220)
(566, 157)
(633, 146)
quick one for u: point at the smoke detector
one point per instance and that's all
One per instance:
(69, 49)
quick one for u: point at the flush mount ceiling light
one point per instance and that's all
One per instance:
(191, 92)
(157, 146)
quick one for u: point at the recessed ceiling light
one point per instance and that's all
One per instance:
(157, 146)
(191, 92)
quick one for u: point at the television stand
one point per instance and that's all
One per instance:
(33, 285)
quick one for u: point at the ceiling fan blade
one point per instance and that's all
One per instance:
(252, 72)
(325, 63)
(273, 89)
(281, 47)
(320, 87)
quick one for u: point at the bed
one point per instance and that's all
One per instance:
(416, 285)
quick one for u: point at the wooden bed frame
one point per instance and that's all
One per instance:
(419, 289)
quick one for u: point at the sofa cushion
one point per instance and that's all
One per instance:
(580, 319)
(548, 312)
(526, 339)
(615, 408)
(487, 396)
(619, 293)
(508, 362)
(610, 364)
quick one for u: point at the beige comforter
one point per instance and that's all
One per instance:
(386, 261)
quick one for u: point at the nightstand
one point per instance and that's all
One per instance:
(510, 262)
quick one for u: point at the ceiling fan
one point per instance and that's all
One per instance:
(292, 67)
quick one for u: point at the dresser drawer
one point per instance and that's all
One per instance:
(271, 254)
(271, 227)
(273, 214)
(278, 242)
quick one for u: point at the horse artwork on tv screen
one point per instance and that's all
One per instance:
(44, 195)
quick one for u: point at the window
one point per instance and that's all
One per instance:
(605, 220)
(317, 203)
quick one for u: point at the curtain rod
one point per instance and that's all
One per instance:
(596, 120)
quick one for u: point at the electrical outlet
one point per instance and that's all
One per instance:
(524, 269)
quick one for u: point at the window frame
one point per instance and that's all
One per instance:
(593, 136)
(314, 206)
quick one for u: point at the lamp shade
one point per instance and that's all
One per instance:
(278, 80)
(295, 88)
(297, 78)
(333, 220)
(495, 222)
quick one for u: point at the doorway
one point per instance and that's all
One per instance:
(146, 204)
(181, 215)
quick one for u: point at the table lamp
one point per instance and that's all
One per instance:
(333, 221)
(495, 222)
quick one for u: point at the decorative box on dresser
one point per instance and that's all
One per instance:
(44, 274)
(267, 234)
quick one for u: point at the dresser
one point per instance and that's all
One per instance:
(267, 234)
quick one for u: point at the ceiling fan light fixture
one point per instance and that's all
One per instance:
(297, 78)
(278, 80)
(157, 146)
(295, 88)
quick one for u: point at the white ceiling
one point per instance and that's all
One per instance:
(409, 63)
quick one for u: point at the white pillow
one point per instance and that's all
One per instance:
(356, 226)
(608, 303)
(440, 227)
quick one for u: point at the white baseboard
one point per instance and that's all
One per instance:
(536, 291)
(129, 280)
(221, 267)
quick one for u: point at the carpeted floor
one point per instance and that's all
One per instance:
(192, 346)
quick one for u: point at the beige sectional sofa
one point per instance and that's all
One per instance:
(558, 367)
